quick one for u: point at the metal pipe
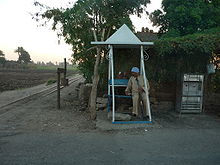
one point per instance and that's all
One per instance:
(109, 78)
(109, 71)
(141, 70)
(145, 83)
(113, 87)
(202, 92)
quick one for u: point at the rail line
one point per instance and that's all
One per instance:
(41, 93)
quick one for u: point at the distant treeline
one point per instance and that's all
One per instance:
(38, 66)
(24, 62)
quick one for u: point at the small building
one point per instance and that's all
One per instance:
(124, 38)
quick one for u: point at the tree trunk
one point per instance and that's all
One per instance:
(93, 94)
(95, 81)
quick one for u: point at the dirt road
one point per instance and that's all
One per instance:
(35, 132)
(41, 114)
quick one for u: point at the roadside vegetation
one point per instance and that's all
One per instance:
(183, 45)
(51, 81)
(188, 41)
(86, 21)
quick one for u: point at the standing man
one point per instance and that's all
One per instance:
(138, 91)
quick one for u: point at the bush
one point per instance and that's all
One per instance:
(51, 81)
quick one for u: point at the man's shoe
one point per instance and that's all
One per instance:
(146, 118)
(134, 115)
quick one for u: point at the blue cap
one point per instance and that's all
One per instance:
(135, 69)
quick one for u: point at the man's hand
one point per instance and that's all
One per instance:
(127, 93)
(141, 90)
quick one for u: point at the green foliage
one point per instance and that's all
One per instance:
(2, 54)
(187, 54)
(54, 67)
(2, 60)
(171, 33)
(215, 81)
(23, 55)
(44, 67)
(178, 52)
(2, 57)
(87, 20)
(187, 16)
(51, 81)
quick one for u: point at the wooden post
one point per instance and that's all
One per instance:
(58, 89)
(59, 71)
(65, 69)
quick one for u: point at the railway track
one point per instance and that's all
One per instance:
(39, 94)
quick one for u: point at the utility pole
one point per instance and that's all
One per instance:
(65, 69)
(59, 71)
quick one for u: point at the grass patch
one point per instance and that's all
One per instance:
(41, 67)
(51, 81)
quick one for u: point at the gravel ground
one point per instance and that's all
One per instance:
(41, 114)
(36, 132)
(8, 96)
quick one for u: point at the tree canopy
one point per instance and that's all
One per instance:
(188, 54)
(178, 18)
(2, 57)
(2, 54)
(23, 55)
(90, 20)
(189, 40)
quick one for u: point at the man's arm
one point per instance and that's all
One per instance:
(129, 86)
(148, 85)
(147, 88)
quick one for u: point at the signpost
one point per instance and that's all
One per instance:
(64, 81)
(59, 71)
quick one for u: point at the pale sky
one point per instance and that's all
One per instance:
(18, 29)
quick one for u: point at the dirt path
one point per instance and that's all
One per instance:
(35, 132)
(42, 115)
(9, 96)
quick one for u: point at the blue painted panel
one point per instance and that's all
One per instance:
(119, 82)
(132, 122)
(122, 96)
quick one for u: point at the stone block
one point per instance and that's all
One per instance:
(84, 92)
(100, 106)
(101, 100)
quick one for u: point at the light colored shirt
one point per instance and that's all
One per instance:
(135, 83)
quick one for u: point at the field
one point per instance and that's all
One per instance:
(54, 67)
(18, 79)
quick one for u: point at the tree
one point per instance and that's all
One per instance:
(91, 20)
(23, 55)
(2, 54)
(178, 18)
(187, 54)
(2, 57)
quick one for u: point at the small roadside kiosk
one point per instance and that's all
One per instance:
(124, 38)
